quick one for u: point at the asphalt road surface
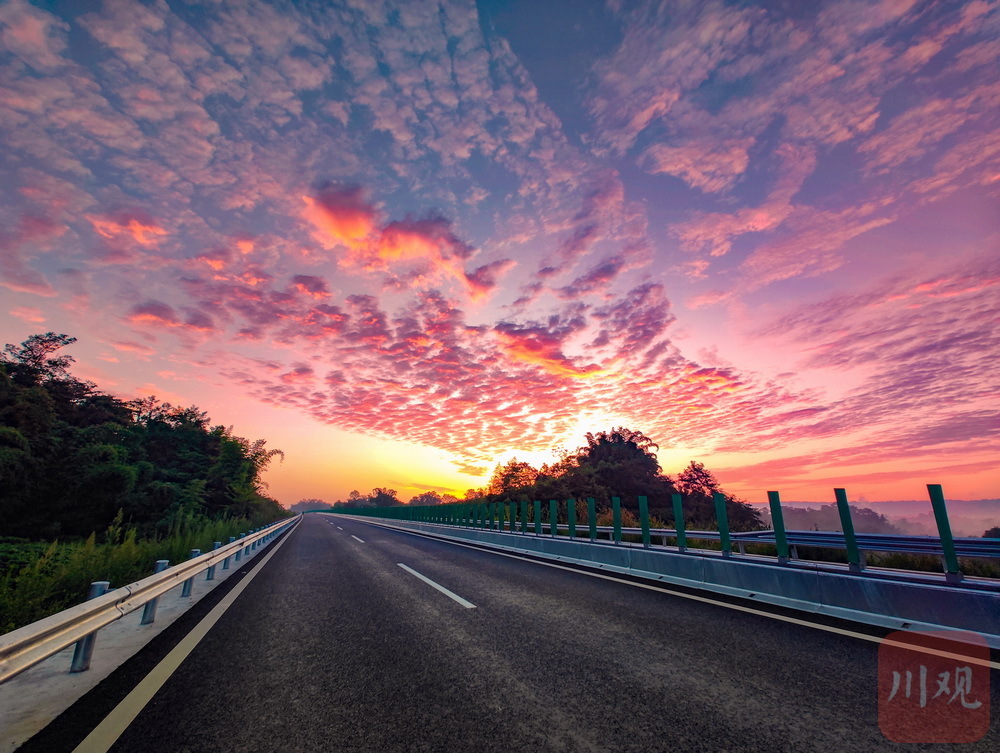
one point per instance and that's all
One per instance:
(333, 646)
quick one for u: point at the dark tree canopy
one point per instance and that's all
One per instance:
(72, 457)
(619, 463)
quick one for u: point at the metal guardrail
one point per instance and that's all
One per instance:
(23, 648)
(526, 517)
(897, 543)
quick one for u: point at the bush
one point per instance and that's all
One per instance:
(59, 574)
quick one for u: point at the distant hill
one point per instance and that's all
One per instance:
(305, 505)
(967, 517)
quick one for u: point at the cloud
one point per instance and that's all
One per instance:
(36, 37)
(138, 228)
(341, 216)
(15, 272)
(159, 314)
(28, 314)
(715, 231)
(709, 165)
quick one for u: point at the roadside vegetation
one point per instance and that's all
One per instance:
(97, 488)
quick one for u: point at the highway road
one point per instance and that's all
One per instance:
(333, 645)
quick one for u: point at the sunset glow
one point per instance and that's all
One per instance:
(404, 241)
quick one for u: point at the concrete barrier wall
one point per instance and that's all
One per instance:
(899, 602)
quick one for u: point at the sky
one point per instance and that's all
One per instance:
(404, 241)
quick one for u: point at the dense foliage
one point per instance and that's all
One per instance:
(72, 457)
(620, 463)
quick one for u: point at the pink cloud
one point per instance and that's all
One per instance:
(709, 165)
(32, 34)
(341, 216)
(159, 314)
(32, 232)
(134, 226)
(28, 314)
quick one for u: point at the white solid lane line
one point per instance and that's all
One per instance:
(442, 589)
(715, 602)
(357, 539)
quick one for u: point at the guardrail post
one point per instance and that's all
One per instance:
(853, 555)
(186, 588)
(239, 552)
(85, 646)
(225, 562)
(778, 523)
(592, 518)
(149, 610)
(571, 516)
(952, 571)
(553, 518)
(616, 519)
(211, 569)
(678, 503)
(723, 517)
(538, 518)
(644, 520)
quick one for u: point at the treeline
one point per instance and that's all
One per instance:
(617, 463)
(74, 459)
(620, 463)
(382, 497)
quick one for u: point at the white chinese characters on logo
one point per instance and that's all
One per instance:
(962, 686)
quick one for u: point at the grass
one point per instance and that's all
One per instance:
(38, 579)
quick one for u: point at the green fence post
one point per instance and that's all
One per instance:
(538, 518)
(679, 522)
(644, 520)
(571, 517)
(493, 514)
(853, 554)
(723, 517)
(592, 517)
(778, 523)
(616, 519)
(953, 572)
(553, 518)
(524, 516)
(511, 515)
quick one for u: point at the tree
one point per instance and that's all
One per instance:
(511, 477)
(304, 505)
(426, 498)
(623, 448)
(72, 458)
(992, 533)
(698, 485)
(620, 463)
(33, 361)
(382, 497)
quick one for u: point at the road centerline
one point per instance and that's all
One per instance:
(442, 589)
(357, 539)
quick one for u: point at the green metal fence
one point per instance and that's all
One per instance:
(520, 517)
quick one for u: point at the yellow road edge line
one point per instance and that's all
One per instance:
(106, 734)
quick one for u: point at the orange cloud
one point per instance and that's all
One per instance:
(535, 350)
(340, 216)
(143, 233)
